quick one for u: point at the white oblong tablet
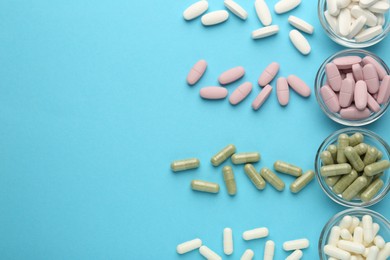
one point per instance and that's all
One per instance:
(344, 21)
(380, 7)
(343, 3)
(333, 9)
(357, 11)
(263, 12)
(300, 42)
(265, 32)
(215, 17)
(195, 10)
(300, 24)
(236, 9)
(284, 6)
(357, 26)
(332, 21)
(367, 3)
(369, 33)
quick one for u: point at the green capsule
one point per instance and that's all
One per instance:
(354, 158)
(333, 151)
(356, 139)
(336, 169)
(355, 188)
(326, 158)
(332, 180)
(343, 141)
(372, 190)
(240, 158)
(254, 176)
(222, 155)
(376, 168)
(186, 164)
(301, 182)
(287, 168)
(230, 182)
(272, 179)
(371, 155)
(379, 155)
(361, 149)
(344, 182)
(205, 186)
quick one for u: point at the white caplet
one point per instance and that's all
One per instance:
(195, 10)
(265, 32)
(357, 11)
(380, 7)
(332, 7)
(248, 255)
(228, 241)
(188, 246)
(332, 21)
(357, 26)
(263, 12)
(343, 3)
(300, 42)
(284, 6)
(344, 21)
(296, 255)
(300, 24)
(369, 33)
(236, 9)
(367, 3)
(208, 253)
(215, 17)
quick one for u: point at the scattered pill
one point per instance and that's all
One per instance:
(223, 155)
(236, 9)
(268, 74)
(262, 97)
(287, 168)
(254, 176)
(300, 42)
(205, 186)
(296, 244)
(296, 255)
(255, 233)
(265, 31)
(186, 164)
(301, 24)
(284, 6)
(228, 241)
(248, 255)
(231, 75)
(299, 86)
(197, 70)
(272, 179)
(282, 91)
(241, 158)
(240, 93)
(269, 250)
(213, 92)
(230, 182)
(208, 253)
(263, 12)
(195, 10)
(215, 17)
(188, 246)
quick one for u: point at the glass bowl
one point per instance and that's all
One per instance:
(370, 138)
(344, 41)
(354, 212)
(320, 80)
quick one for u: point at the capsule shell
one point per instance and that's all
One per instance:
(282, 91)
(302, 182)
(186, 164)
(296, 255)
(336, 252)
(344, 182)
(248, 255)
(335, 169)
(354, 158)
(269, 250)
(287, 168)
(205, 186)
(228, 241)
(296, 244)
(254, 176)
(342, 142)
(371, 155)
(268, 74)
(332, 180)
(356, 139)
(376, 168)
(231, 75)
(351, 246)
(361, 149)
(197, 70)
(272, 179)
(241, 158)
(189, 246)
(230, 182)
(255, 233)
(208, 253)
(222, 155)
(333, 150)
(372, 190)
(355, 188)
(326, 158)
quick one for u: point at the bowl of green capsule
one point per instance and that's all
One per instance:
(352, 167)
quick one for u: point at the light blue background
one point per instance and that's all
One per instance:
(94, 107)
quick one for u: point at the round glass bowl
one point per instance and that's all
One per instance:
(344, 41)
(320, 81)
(371, 139)
(354, 212)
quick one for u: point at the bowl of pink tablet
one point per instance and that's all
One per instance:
(352, 87)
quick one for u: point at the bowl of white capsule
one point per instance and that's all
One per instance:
(355, 233)
(355, 23)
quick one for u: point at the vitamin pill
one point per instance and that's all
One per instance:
(236, 9)
(344, 182)
(379, 7)
(269, 250)
(372, 104)
(336, 252)
(332, 180)
(372, 253)
(384, 253)
(375, 230)
(333, 150)
(345, 222)
(255, 233)
(384, 90)
(376, 168)
(360, 95)
(349, 75)
(263, 12)
(197, 70)
(367, 229)
(301, 24)
(188, 246)
(195, 10)
(332, 7)
(205, 186)
(213, 92)
(332, 21)
(354, 224)
(282, 91)
(302, 181)
(334, 235)
(186, 164)
(345, 234)
(354, 159)
(379, 156)
(358, 235)
(228, 241)
(371, 78)
(352, 113)
(272, 179)
(222, 155)
(298, 85)
(296, 244)
(344, 21)
(357, 11)
(300, 42)
(379, 242)
(326, 158)
(361, 148)
(230, 182)
(296, 255)
(342, 142)
(367, 3)
(208, 253)
(268, 74)
(356, 27)
(356, 139)
(240, 93)
(372, 190)
(354, 188)
(265, 32)
(283, 6)
(248, 255)
(287, 168)
(231, 75)
(357, 70)
(254, 176)
(262, 97)
(240, 158)
(346, 92)
(351, 246)
(214, 18)
(335, 169)
(369, 33)
(330, 99)
(370, 156)
(379, 68)
(333, 76)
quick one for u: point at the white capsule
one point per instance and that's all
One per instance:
(296, 244)
(337, 252)
(195, 10)
(343, 3)
(208, 253)
(353, 257)
(358, 235)
(344, 21)
(351, 247)
(300, 24)
(345, 234)
(188, 246)
(215, 17)
(369, 33)
(379, 242)
(263, 12)
(367, 229)
(332, 21)
(385, 252)
(269, 250)
(357, 26)
(284, 6)
(296, 255)
(332, 7)
(380, 7)
(300, 42)
(228, 241)
(248, 255)
(367, 3)
(375, 229)
(236, 9)
(355, 223)
(265, 32)
(334, 236)
(346, 222)
(255, 233)
(357, 11)
(372, 253)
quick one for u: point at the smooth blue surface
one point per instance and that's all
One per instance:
(94, 107)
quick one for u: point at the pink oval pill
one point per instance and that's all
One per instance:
(262, 97)
(372, 104)
(379, 68)
(346, 92)
(240, 93)
(371, 78)
(330, 98)
(333, 76)
(360, 95)
(231, 75)
(213, 92)
(384, 90)
(196, 72)
(357, 71)
(353, 113)
(351, 77)
(268, 74)
(346, 62)
(282, 91)
(298, 86)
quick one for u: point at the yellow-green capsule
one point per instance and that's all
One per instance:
(355, 188)
(240, 158)
(344, 182)
(332, 180)
(333, 151)
(336, 169)
(254, 176)
(371, 190)
(230, 182)
(371, 155)
(326, 158)
(272, 179)
(376, 168)
(361, 149)
(356, 139)
(287, 168)
(379, 155)
(222, 155)
(343, 141)
(302, 181)
(186, 164)
(205, 186)
(354, 159)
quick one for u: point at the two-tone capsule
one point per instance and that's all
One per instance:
(230, 182)
(186, 164)
(254, 176)
(377, 167)
(241, 158)
(302, 181)
(344, 182)
(272, 179)
(287, 168)
(342, 142)
(205, 186)
(223, 155)
(335, 169)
